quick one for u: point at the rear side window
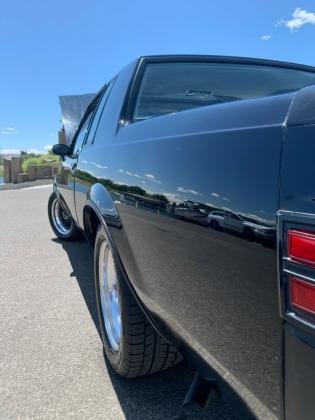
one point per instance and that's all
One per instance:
(172, 87)
(98, 112)
(81, 134)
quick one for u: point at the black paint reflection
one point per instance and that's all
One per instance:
(217, 218)
(197, 248)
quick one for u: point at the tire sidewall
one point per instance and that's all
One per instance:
(70, 235)
(249, 234)
(115, 357)
(214, 224)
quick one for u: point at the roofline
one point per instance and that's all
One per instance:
(227, 59)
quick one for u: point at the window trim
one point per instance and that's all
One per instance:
(73, 155)
(92, 107)
(102, 104)
(132, 93)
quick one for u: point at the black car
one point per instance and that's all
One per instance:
(219, 135)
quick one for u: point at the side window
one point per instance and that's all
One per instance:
(177, 86)
(98, 112)
(234, 216)
(81, 134)
(89, 138)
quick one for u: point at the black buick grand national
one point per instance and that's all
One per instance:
(193, 179)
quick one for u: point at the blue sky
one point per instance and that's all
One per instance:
(49, 48)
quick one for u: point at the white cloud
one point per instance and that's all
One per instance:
(149, 176)
(132, 174)
(35, 151)
(99, 166)
(10, 151)
(187, 191)
(9, 130)
(300, 17)
(219, 196)
(280, 22)
(31, 150)
(152, 178)
(266, 37)
(48, 147)
(177, 198)
(122, 171)
(52, 134)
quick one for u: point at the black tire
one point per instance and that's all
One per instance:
(215, 225)
(71, 232)
(248, 234)
(141, 350)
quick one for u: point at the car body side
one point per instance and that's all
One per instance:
(212, 293)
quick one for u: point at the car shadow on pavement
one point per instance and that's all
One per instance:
(159, 396)
(80, 255)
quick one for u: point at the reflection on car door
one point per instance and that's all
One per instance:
(232, 222)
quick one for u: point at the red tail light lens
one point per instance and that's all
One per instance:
(302, 295)
(301, 246)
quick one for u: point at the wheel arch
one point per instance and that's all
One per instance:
(91, 221)
(93, 216)
(99, 208)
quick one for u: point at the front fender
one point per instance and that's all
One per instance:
(103, 203)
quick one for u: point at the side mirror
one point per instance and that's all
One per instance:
(61, 150)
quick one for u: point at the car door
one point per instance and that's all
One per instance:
(87, 163)
(232, 222)
(66, 184)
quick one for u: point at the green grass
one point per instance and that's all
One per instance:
(31, 159)
(39, 160)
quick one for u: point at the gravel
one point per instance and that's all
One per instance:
(28, 184)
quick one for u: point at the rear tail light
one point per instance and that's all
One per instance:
(301, 250)
(302, 295)
(296, 246)
(301, 246)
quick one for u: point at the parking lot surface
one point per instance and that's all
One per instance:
(51, 357)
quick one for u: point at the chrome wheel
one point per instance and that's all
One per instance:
(109, 295)
(60, 218)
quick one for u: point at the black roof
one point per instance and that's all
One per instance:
(227, 59)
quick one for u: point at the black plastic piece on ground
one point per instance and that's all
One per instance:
(201, 391)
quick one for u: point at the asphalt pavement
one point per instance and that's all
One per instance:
(51, 357)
